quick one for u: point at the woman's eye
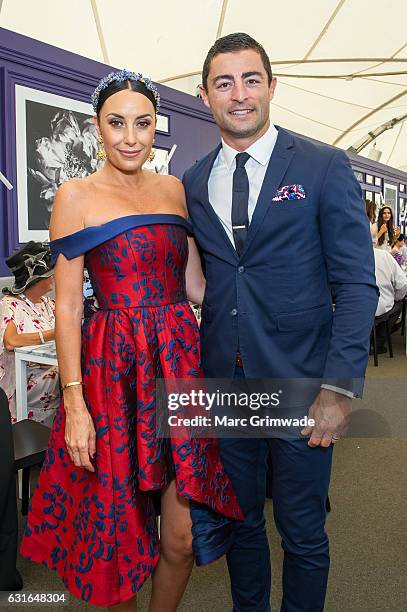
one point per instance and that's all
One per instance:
(143, 124)
(116, 123)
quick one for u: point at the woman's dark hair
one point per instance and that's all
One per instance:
(370, 210)
(117, 86)
(231, 44)
(389, 223)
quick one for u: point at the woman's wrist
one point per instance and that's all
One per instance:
(73, 399)
(49, 334)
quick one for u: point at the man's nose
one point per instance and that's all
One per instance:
(239, 91)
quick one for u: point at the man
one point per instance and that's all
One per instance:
(267, 314)
(392, 283)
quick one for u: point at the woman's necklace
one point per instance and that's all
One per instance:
(50, 321)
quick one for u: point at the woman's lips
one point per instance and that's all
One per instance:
(129, 153)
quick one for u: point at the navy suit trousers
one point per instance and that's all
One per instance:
(300, 480)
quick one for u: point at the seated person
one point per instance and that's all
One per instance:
(392, 283)
(383, 231)
(27, 318)
(371, 215)
(398, 250)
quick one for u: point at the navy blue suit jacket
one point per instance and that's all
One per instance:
(301, 256)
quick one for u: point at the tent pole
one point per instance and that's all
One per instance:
(100, 32)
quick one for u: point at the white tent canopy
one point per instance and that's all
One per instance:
(341, 64)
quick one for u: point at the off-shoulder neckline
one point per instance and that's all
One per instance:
(117, 219)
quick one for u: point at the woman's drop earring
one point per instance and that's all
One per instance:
(151, 155)
(101, 153)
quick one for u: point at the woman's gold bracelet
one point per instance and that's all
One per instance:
(72, 384)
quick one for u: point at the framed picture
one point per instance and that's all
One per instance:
(390, 197)
(55, 140)
(163, 124)
(161, 162)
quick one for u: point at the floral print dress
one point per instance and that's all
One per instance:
(98, 530)
(42, 381)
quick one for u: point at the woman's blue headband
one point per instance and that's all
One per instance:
(119, 77)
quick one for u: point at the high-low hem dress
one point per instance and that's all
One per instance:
(99, 530)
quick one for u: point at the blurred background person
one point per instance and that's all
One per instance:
(383, 231)
(392, 283)
(27, 318)
(399, 251)
(371, 215)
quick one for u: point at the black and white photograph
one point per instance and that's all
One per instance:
(56, 140)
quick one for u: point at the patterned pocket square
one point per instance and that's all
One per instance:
(290, 192)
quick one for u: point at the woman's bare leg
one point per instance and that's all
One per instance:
(171, 575)
(127, 606)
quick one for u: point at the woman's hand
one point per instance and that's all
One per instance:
(397, 232)
(12, 339)
(80, 435)
(383, 228)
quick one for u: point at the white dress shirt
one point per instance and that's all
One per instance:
(220, 184)
(390, 279)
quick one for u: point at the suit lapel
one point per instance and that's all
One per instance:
(202, 188)
(277, 167)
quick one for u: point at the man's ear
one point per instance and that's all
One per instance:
(204, 95)
(272, 87)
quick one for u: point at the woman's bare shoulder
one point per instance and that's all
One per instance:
(69, 206)
(76, 188)
(169, 181)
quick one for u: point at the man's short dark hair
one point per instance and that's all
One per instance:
(239, 41)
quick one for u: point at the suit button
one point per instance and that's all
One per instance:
(233, 312)
(240, 269)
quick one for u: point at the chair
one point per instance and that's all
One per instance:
(384, 318)
(30, 444)
(403, 316)
(10, 578)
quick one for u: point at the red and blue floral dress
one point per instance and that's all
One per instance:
(99, 530)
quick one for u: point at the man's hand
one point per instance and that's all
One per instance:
(331, 413)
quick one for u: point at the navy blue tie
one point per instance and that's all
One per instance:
(240, 203)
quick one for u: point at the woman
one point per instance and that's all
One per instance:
(383, 232)
(95, 494)
(27, 319)
(398, 250)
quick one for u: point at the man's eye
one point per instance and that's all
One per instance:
(253, 81)
(223, 85)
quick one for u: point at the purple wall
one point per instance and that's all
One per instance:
(28, 62)
(31, 63)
